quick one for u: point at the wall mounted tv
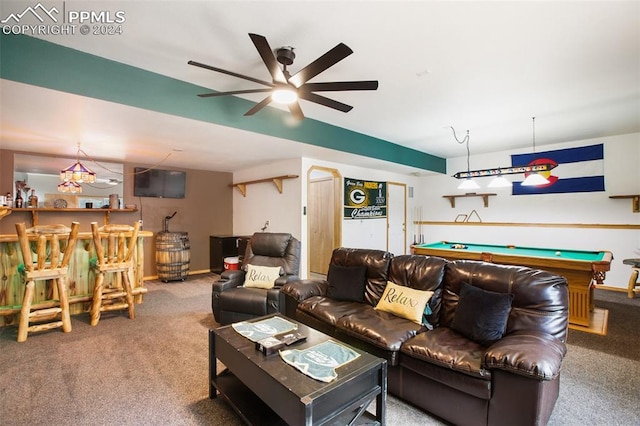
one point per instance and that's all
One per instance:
(159, 183)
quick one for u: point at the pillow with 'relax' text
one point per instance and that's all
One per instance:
(404, 301)
(261, 276)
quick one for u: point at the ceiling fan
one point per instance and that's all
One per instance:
(294, 87)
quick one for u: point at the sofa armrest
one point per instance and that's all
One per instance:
(534, 355)
(301, 290)
(284, 279)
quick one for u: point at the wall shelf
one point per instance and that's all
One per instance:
(635, 201)
(485, 197)
(277, 181)
(35, 211)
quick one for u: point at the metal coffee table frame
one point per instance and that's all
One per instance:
(264, 390)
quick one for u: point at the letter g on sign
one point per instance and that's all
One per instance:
(357, 196)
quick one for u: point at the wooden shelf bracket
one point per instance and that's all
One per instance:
(635, 201)
(277, 181)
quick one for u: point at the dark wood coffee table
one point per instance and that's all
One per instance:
(264, 390)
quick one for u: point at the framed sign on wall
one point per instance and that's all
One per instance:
(364, 199)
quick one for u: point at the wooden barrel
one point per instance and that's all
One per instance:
(172, 255)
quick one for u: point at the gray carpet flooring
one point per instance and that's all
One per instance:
(153, 370)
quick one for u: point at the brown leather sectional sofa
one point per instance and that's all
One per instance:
(511, 381)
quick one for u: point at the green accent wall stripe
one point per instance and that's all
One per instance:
(41, 63)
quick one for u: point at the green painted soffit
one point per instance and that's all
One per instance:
(37, 62)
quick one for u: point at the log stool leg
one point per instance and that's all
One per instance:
(633, 282)
(97, 299)
(64, 304)
(129, 296)
(25, 311)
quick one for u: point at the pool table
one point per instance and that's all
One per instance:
(580, 268)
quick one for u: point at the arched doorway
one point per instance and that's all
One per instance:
(324, 221)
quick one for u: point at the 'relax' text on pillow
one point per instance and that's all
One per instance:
(404, 302)
(261, 276)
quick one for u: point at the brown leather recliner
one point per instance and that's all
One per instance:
(232, 302)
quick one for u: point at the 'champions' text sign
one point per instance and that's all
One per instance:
(364, 199)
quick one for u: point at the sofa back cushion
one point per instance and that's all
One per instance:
(481, 315)
(377, 263)
(347, 282)
(421, 273)
(540, 298)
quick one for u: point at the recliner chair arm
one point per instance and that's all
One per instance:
(228, 279)
(534, 355)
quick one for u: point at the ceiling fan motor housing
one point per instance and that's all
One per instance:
(285, 55)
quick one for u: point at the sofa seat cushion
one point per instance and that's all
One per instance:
(327, 310)
(447, 348)
(378, 328)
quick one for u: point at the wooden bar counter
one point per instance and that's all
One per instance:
(80, 279)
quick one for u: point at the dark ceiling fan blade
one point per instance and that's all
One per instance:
(325, 101)
(231, 73)
(233, 92)
(268, 58)
(340, 86)
(266, 101)
(325, 61)
(296, 111)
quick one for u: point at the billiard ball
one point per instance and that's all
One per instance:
(558, 253)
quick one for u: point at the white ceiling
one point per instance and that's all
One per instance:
(482, 66)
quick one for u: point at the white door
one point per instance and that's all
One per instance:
(396, 218)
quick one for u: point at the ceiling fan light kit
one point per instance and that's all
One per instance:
(284, 95)
(297, 85)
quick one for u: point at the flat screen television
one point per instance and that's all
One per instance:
(159, 183)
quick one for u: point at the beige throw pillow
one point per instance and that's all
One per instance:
(404, 302)
(261, 276)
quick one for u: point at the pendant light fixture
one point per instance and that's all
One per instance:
(468, 183)
(77, 172)
(534, 179)
(70, 186)
(500, 182)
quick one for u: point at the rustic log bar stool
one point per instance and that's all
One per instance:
(117, 259)
(633, 280)
(53, 269)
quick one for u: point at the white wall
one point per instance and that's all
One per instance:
(264, 203)
(622, 177)
(362, 233)
(285, 211)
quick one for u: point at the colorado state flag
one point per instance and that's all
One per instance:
(578, 170)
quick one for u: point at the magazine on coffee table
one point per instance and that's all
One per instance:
(320, 361)
(262, 329)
